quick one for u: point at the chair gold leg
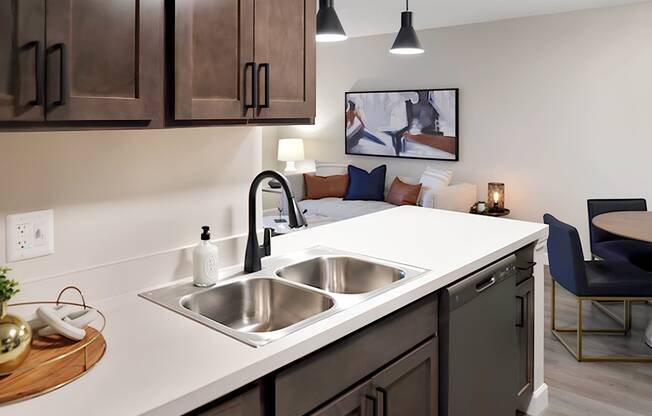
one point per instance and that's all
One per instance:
(620, 321)
(578, 351)
(553, 311)
(628, 316)
(579, 330)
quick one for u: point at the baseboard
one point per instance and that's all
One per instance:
(538, 402)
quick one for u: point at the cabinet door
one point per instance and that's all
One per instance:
(213, 59)
(356, 402)
(409, 386)
(245, 404)
(285, 53)
(22, 37)
(105, 59)
(525, 334)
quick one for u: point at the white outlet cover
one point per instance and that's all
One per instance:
(30, 235)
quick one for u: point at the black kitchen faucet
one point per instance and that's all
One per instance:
(296, 220)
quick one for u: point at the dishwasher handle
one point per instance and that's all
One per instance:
(486, 284)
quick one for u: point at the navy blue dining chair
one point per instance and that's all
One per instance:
(612, 247)
(594, 280)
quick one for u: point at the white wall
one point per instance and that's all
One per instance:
(558, 107)
(123, 194)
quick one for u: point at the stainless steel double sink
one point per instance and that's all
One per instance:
(289, 293)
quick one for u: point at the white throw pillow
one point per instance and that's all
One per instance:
(433, 180)
(328, 169)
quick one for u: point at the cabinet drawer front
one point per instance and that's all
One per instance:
(323, 375)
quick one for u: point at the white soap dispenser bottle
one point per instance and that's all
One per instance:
(205, 261)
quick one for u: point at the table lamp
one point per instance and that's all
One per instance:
(496, 197)
(290, 151)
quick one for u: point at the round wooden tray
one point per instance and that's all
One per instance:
(505, 212)
(53, 361)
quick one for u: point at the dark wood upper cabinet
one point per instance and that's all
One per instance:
(285, 54)
(22, 45)
(104, 59)
(244, 59)
(152, 63)
(213, 42)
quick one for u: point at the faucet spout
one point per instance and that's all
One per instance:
(295, 218)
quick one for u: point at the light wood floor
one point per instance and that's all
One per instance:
(597, 389)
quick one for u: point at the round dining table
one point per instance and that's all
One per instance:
(636, 225)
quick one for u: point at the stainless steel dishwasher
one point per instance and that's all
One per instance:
(478, 343)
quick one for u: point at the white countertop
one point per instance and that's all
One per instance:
(158, 362)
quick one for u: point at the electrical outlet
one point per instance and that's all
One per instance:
(30, 235)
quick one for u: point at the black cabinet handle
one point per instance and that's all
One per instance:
(254, 86)
(265, 66)
(385, 400)
(521, 312)
(39, 72)
(63, 73)
(530, 265)
(374, 403)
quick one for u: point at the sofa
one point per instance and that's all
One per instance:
(458, 196)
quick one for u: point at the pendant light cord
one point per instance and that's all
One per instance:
(407, 5)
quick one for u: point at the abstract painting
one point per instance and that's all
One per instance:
(419, 124)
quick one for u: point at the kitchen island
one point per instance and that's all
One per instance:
(161, 363)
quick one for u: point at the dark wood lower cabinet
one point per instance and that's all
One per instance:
(247, 403)
(317, 379)
(409, 386)
(359, 401)
(525, 334)
(406, 387)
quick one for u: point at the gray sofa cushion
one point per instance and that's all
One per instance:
(338, 209)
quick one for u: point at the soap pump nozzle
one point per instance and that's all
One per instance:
(206, 235)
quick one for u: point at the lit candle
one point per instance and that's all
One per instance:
(496, 198)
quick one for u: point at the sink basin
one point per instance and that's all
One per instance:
(257, 305)
(342, 274)
(309, 286)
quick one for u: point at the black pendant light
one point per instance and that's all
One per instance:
(407, 41)
(329, 28)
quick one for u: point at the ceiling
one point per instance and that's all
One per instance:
(371, 17)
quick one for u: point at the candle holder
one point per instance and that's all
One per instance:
(496, 197)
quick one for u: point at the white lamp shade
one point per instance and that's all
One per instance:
(290, 150)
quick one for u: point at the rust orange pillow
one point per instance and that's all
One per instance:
(318, 187)
(402, 193)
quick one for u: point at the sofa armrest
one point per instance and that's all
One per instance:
(457, 197)
(297, 185)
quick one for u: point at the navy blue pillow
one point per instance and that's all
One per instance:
(366, 186)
